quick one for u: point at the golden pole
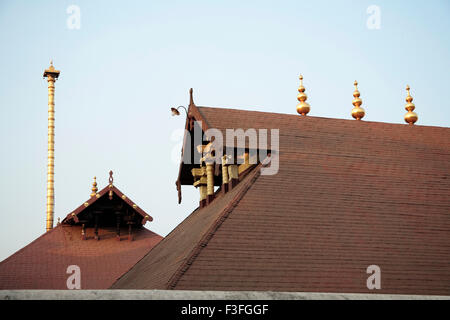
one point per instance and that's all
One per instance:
(51, 74)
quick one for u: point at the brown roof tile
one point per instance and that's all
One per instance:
(185, 242)
(43, 263)
(348, 194)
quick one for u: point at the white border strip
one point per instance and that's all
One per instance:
(199, 295)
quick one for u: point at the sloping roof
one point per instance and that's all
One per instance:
(168, 260)
(348, 194)
(43, 263)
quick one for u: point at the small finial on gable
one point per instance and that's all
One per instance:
(111, 180)
(191, 97)
(94, 187)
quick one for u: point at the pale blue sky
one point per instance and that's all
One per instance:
(132, 60)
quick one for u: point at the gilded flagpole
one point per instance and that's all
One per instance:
(51, 74)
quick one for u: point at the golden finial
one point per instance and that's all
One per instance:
(410, 117)
(357, 112)
(303, 107)
(111, 180)
(94, 187)
(51, 67)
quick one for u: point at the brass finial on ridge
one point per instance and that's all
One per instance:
(303, 107)
(94, 187)
(410, 117)
(111, 180)
(357, 112)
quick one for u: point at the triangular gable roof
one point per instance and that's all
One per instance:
(104, 192)
(229, 119)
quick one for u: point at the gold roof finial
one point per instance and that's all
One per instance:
(111, 180)
(303, 107)
(94, 187)
(51, 67)
(357, 112)
(410, 117)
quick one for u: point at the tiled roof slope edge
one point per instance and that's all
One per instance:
(214, 227)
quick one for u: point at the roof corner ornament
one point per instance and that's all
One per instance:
(94, 187)
(357, 112)
(111, 180)
(191, 97)
(410, 117)
(303, 107)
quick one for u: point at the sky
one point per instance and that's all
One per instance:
(125, 63)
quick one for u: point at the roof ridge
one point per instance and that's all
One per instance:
(197, 113)
(213, 228)
(312, 116)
